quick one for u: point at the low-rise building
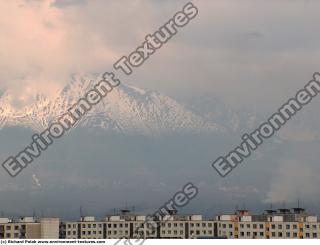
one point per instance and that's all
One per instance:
(29, 228)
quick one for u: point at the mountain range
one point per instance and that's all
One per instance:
(126, 110)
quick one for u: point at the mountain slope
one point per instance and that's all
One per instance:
(127, 110)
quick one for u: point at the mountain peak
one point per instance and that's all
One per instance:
(127, 109)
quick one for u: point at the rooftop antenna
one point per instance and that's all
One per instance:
(42, 214)
(81, 212)
(284, 204)
(298, 202)
(271, 206)
(244, 206)
(34, 213)
(114, 211)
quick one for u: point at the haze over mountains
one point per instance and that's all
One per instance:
(132, 146)
(127, 110)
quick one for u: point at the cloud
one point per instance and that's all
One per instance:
(293, 180)
(67, 3)
(42, 45)
(36, 180)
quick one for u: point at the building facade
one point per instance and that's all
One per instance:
(127, 225)
(281, 224)
(272, 224)
(29, 228)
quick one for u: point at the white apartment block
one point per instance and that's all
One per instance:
(281, 224)
(29, 228)
(127, 225)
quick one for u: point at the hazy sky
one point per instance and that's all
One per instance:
(252, 54)
(234, 49)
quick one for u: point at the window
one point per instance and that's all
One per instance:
(8, 227)
(307, 235)
(279, 234)
(16, 227)
(89, 225)
(273, 234)
(261, 234)
(109, 225)
(254, 226)
(288, 227)
(280, 227)
(288, 234)
(307, 226)
(83, 226)
(314, 235)
(295, 234)
(273, 226)
(241, 225)
(175, 225)
(69, 226)
(203, 224)
(295, 227)
(261, 226)
(89, 232)
(248, 233)
(230, 226)
(120, 225)
(115, 226)
(69, 233)
(94, 225)
(210, 224)
(241, 233)
(8, 235)
(248, 225)
(224, 226)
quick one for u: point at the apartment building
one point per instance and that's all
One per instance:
(129, 225)
(273, 224)
(29, 228)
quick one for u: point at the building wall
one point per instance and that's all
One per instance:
(49, 228)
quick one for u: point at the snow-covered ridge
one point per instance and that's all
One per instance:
(127, 110)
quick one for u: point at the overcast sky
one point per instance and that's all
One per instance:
(233, 49)
(252, 54)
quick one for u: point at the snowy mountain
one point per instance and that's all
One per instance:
(127, 110)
